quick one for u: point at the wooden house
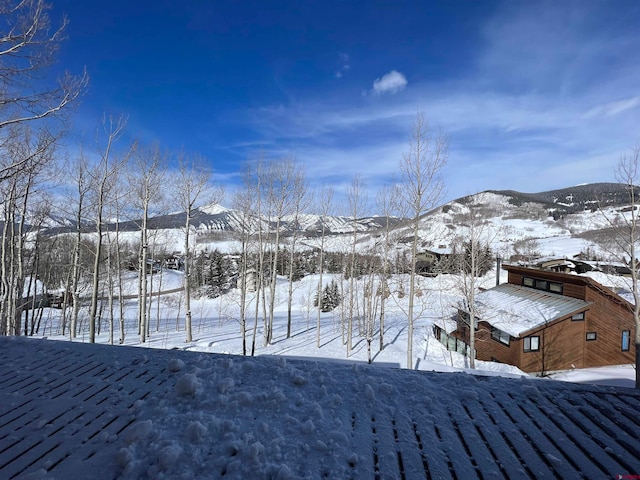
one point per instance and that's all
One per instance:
(436, 260)
(543, 321)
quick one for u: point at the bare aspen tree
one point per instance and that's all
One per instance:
(37, 275)
(326, 197)
(357, 201)
(372, 295)
(117, 204)
(300, 202)
(421, 190)
(103, 178)
(474, 258)
(28, 47)
(281, 178)
(146, 182)
(623, 241)
(387, 201)
(254, 178)
(82, 186)
(242, 203)
(193, 186)
(16, 194)
(114, 209)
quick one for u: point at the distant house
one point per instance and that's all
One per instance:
(436, 260)
(175, 261)
(555, 264)
(542, 321)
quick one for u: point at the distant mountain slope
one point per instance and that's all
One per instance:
(573, 199)
(566, 212)
(562, 220)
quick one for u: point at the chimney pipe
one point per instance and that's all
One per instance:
(498, 262)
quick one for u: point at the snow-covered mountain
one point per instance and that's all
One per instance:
(559, 222)
(569, 217)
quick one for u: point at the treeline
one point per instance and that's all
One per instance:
(126, 180)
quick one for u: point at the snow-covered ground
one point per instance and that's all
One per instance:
(216, 327)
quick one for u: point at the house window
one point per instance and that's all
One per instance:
(626, 340)
(591, 336)
(555, 287)
(545, 285)
(578, 317)
(532, 343)
(500, 336)
(542, 285)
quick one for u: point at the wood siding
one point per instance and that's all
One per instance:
(608, 319)
(563, 343)
(561, 347)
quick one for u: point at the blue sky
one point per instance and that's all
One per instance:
(532, 95)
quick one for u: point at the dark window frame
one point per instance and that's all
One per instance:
(529, 339)
(626, 335)
(578, 317)
(591, 336)
(544, 285)
(499, 336)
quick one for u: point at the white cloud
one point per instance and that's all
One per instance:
(392, 83)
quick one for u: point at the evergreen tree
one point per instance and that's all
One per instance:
(331, 297)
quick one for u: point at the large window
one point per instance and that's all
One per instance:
(532, 343)
(546, 285)
(626, 340)
(500, 336)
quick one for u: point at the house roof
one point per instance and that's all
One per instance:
(572, 278)
(515, 309)
(95, 411)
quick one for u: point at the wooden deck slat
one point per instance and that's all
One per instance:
(58, 412)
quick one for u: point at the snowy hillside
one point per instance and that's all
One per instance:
(560, 222)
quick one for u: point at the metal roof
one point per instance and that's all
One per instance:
(516, 309)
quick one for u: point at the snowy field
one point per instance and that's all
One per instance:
(216, 327)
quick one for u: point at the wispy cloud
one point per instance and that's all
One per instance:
(392, 83)
(548, 119)
(613, 108)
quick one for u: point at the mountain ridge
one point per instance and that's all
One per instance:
(214, 218)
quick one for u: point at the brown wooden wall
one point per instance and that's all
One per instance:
(608, 319)
(489, 349)
(561, 347)
(564, 344)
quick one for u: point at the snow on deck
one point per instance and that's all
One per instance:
(71, 410)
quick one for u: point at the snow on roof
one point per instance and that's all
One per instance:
(515, 309)
(95, 411)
